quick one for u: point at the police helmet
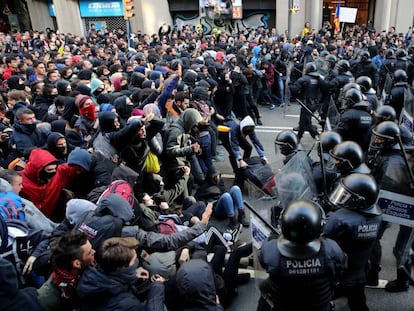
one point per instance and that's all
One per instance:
(324, 53)
(347, 155)
(400, 76)
(287, 141)
(384, 136)
(310, 67)
(365, 56)
(365, 82)
(174, 64)
(352, 97)
(329, 139)
(343, 66)
(301, 224)
(356, 192)
(390, 54)
(190, 77)
(410, 49)
(401, 54)
(332, 59)
(385, 113)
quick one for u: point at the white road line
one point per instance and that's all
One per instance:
(273, 127)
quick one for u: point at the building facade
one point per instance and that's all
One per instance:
(75, 16)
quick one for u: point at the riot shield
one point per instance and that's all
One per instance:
(333, 117)
(294, 181)
(409, 102)
(321, 66)
(387, 88)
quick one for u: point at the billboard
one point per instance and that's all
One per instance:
(100, 8)
(221, 9)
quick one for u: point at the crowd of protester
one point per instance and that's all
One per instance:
(111, 143)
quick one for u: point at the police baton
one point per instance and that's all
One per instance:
(407, 164)
(308, 110)
(262, 219)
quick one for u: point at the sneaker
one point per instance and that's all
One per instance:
(282, 105)
(235, 232)
(259, 121)
(296, 128)
(272, 106)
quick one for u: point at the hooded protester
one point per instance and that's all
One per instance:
(44, 179)
(58, 146)
(124, 107)
(86, 123)
(179, 146)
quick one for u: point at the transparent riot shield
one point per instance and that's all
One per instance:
(321, 66)
(409, 102)
(294, 181)
(333, 117)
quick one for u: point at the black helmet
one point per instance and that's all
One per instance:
(343, 66)
(350, 85)
(401, 54)
(400, 76)
(352, 97)
(365, 56)
(331, 59)
(384, 135)
(301, 223)
(174, 64)
(190, 77)
(324, 53)
(390, 54)
(287, 142)
(329, 139)
(385, 113)
(365, 82)
(310, 67)
(356, 192)
(349, 154)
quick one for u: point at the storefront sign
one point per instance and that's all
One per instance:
(100, 8)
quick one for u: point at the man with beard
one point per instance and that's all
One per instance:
(72, 254)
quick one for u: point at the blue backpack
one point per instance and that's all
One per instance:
(11, 206)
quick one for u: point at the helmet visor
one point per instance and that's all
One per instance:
(340, 196)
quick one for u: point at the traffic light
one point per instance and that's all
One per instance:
(128, 9)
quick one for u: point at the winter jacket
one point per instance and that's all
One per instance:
(45, 196)
(99, 290)
(11, 297)
(24, 137)
(195, 282)
(177, 146)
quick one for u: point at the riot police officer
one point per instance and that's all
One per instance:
(365, 67)
(309, 88)
(354, 226)
(355, 123)
(344, 76)
(287, 142)
(391, 173)
(387, 69)
(300, 261)
(397, 94)
(368, 91)
(404, 64)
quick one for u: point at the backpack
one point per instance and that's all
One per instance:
(18, 242)
(122, 188)
(11, 206)
(99, 228)
(257, 172)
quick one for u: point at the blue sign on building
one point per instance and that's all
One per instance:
(51, 8)
(100, 8)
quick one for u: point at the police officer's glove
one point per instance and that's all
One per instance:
(322, 123)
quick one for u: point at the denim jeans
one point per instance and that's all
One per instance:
(205, 159)
(228, 203)
(281, 88)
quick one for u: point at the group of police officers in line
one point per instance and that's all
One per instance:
(330, 247)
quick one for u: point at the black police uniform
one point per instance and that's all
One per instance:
(355, 124)
(336, 84)
(355, 232)
(301, 284)
(308, 87)
(396, 97)
(369, 69)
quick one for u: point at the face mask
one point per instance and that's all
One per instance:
(46, 176)
(88, 112)
(21, 87)
(62, 150)
(51, 97)
(30, 127)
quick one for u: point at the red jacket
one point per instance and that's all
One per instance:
(45, 196)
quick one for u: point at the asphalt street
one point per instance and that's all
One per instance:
(275, 121)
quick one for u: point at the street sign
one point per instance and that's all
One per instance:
(397, 208)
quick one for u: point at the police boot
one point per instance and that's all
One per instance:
(400, 284)
(242, 218)
(372, 275)
(259, 121)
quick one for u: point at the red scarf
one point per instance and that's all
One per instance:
(65, 281)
